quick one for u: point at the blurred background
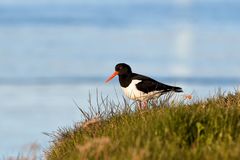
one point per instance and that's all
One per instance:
(54, 51)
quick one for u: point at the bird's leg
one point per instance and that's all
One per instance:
(155, 102)
(139, 105)
(144, 104)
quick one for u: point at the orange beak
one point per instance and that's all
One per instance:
(112, 76)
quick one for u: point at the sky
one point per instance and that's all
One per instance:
(35, 2)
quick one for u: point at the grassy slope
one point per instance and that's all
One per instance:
(202, 130)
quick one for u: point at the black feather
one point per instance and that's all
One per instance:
(177, 89)
(148, 84)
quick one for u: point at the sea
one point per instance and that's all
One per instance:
(56, 54)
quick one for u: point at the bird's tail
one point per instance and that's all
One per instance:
(177, 89)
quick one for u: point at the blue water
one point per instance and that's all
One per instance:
(54, 52)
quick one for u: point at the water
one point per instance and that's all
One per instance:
(52, 53)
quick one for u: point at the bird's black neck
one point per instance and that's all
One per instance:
(125, 79)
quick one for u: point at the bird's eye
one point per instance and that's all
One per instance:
(120, 67)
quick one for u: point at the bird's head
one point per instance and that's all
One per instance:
(120, 69)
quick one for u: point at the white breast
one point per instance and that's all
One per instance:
(133, 93)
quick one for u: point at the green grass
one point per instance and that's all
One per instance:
(208, 129)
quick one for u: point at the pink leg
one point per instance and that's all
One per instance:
(139, 106)
(144, 105)
(155, 102)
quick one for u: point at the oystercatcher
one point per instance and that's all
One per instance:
(139, 87)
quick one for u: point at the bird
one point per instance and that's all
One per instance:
(139, 87)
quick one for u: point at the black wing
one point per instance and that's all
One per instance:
(148, 84)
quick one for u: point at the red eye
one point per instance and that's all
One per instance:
(120, 67)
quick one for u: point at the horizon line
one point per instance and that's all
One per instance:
(73, 80)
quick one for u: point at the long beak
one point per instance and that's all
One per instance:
(112, 76)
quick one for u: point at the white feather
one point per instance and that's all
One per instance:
(133, 93)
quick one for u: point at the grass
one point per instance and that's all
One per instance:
(208, 129)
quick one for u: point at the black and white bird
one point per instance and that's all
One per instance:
(139, 87)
